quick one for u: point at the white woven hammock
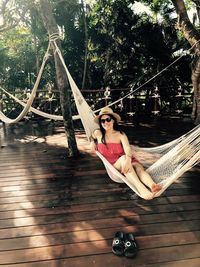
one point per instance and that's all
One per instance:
(183, 154)
(34, 110)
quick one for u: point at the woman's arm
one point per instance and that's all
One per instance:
(126, 146)
(93, 140)
(128, 152)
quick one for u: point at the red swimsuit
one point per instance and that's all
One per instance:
(112, 152)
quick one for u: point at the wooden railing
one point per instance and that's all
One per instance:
(147, 102)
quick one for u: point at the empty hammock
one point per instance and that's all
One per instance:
(182, 154)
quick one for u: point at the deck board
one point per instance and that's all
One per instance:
(56, 211)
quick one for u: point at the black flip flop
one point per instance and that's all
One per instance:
(131, 247)
(118, 244)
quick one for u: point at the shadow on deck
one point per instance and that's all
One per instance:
(56, 211)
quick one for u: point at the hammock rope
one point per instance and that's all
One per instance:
(152, 78)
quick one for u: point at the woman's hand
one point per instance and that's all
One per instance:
(93, 140)
(93, 146)
(126, 165)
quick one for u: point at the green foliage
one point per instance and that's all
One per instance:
(124, 48)
(16, 65)
(128, 48)
(113, 32)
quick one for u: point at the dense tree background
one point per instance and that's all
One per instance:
(124, 48)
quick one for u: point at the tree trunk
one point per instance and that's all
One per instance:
(197, 3)
(192, 36)
(62, 83)
(196, 86)
(86, 44)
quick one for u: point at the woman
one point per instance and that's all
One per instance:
(113, 144)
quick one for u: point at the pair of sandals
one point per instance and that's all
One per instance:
(124, 245)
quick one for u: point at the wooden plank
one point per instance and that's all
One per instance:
(33, 227)
(123, 207)
(195, 262)
(144, 242)
(93, 252)
(181, 263)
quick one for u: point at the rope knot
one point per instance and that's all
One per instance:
(54, 36)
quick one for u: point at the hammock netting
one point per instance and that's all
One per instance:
(167, 162)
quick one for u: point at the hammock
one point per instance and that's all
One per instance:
(36, 111)
(184, 155)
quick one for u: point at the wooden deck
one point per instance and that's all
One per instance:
(56, 211)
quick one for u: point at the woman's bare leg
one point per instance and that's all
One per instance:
(146, 178)
(141, 188)
(133, 179)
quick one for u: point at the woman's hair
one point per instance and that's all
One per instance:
(115, 127)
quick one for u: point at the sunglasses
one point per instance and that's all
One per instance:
(107, 119)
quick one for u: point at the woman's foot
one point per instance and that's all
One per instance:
(155, 188)
(147, 196)
(144, 192)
